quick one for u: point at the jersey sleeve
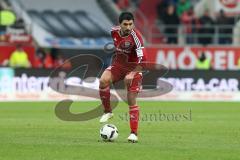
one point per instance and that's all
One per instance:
(137, 37)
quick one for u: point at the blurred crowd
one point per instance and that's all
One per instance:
(178, 17)
(44, 58)
(173, 13)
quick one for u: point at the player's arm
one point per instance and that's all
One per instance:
(139, 50)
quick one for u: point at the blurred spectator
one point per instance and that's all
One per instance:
(61, 62)
(48, 61)
(191, 24)
(39, 58)
(38, 63)
(161, 9)
(206, 29)
(7, 18)
(203, 63)
(224, 28)
(182, 6)
(2, 28)
(171, 21)
(19, 58)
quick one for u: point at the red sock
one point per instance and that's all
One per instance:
(105, 98)
(134, 117)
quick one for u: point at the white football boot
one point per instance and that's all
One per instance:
(132, 138)
(105, 117)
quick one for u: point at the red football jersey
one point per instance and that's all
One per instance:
(129, 48)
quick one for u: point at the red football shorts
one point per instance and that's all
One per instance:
(119, 74)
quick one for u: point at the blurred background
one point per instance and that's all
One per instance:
(198, 40)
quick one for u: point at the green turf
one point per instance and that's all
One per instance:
(31, 131)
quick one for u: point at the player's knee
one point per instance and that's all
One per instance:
(127, 80)
(104, 82)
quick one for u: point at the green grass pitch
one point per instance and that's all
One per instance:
(199, 131)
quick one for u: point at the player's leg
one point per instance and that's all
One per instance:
(111, 74)
(134, 116)
(133, 87)
(104, 92)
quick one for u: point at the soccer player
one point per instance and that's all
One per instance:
(127, 65)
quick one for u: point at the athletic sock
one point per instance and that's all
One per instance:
(134, 118)
(105, 98)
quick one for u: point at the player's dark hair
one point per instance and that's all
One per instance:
(126, 16)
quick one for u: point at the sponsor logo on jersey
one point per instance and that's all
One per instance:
(125, 45)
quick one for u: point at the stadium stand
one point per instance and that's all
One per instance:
(64, 23)
(84, 19)
(64, 20)
(89, 6)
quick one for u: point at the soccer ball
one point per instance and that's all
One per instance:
(109, 132)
